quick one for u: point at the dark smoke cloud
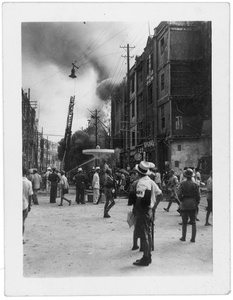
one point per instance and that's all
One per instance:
(106, 89)
(62, 44)
(81, 140)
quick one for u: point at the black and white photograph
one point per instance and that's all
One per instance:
(116, 141)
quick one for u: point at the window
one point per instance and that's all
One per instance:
(163, 117)
(148, 66)
(177, 163)
(132, 84)
(140, 103)
(179, 147)
(149, 129)
(139, 75)
(162, 82)
(163, 122)
(133, 108)
(150, 94)
(151, 61)
(140, 131)
(179, 122)
(133, 138)
(162, 44)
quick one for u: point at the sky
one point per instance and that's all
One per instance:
(96, 48)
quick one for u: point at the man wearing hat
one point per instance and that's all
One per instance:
(96, 185)
(189, 196)
(54, 179)
(48, 185)
(146, 192)
(80, 182)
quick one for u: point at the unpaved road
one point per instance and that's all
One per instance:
(76, 240)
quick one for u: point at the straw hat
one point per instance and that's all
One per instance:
(143, 168)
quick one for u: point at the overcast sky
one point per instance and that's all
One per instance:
(48, 51)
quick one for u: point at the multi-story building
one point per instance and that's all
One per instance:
(170, 97)
(47, 154)
(37, 152)
(29, 132)
(184, 93)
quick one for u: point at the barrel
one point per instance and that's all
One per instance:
(89, 195)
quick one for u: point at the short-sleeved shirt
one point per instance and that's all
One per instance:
(64, 182)
(36, 181)
(145, 183)
(27, 191)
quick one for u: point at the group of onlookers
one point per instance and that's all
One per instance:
(145, 193)
(142, 195)
(104, 183)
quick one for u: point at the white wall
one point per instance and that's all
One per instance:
(191, 151)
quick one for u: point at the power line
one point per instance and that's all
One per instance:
(97, 39)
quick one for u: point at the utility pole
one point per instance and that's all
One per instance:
(28, 132)
(94, 115)
(42, 150)
(128, 104)
(96, 128)
(47, 153)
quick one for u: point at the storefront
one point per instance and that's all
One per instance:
(149, 151)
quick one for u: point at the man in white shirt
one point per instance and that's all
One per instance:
(36, 183)
(27, 195)
(96, 185)
(48, 183)
(146, 192)
(64, 186)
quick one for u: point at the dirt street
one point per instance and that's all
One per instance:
(71, 241)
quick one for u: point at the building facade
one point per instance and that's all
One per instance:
(29, 132)
(170, 98)
(37, 152)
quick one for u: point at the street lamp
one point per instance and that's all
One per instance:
(72, 75)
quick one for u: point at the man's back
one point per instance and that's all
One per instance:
(36, 181)
(189, 188)
(53, 177)
(80, 180)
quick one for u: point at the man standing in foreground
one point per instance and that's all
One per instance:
(54, 179)
(27, 195)
(96, 185)
(81, 183)
(146, 192)
(189, 196)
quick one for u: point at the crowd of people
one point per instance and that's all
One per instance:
(145, 190)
